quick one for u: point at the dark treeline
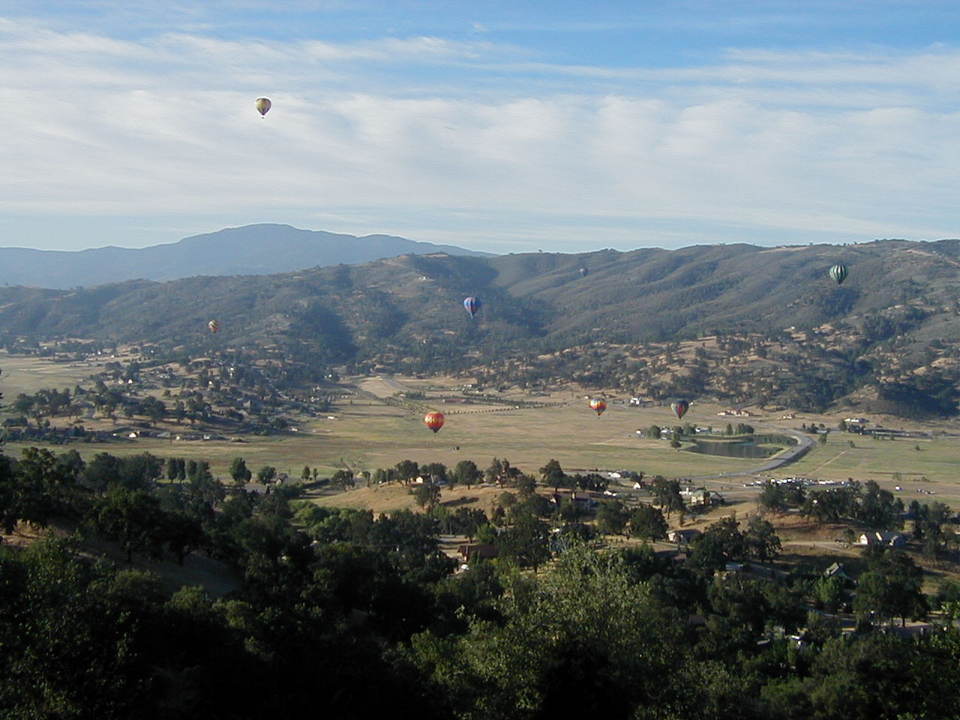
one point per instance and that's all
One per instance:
(344, 614)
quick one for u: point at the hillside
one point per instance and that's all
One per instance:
(249, 250)
(894, 321)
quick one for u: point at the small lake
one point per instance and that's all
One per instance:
(755, 446)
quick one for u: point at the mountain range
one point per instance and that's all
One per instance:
(249, 250)
(894, 323)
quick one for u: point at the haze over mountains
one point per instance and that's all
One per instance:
(249, 250)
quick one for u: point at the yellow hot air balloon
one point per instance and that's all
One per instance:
(263, 105)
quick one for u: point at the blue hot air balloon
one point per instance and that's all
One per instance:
(472, 305)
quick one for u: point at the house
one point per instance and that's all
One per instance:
(885, 538)
(695, 497)
(474, 551)
(582, 502)
(683, 537)
(855, 421)
(836, 570)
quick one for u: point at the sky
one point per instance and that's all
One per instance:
(493, 125)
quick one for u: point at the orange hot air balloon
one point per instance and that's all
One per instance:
(598, 406)
(214, 326)
(433, 420)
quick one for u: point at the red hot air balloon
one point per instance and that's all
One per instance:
(680, 408)
(598, 406)
(433, 420)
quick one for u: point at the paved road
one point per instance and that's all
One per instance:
(795, 452)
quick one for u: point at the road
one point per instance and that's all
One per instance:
(795, 452)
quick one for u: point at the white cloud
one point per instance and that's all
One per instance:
(851, 145)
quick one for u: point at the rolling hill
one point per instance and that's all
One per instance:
(895, 320)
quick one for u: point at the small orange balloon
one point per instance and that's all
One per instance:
(433, 420)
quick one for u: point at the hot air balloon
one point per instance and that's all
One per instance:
(433, 420)
(598, 406)
(680, 408)
(839, 273)
(472, 305)
(584, 272)
(263, 105)
(214, 326)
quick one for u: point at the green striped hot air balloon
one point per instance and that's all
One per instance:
(839, 273)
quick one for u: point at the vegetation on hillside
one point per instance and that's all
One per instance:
(344, 614)
(736, 323)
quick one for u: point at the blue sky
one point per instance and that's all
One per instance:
(499, 126)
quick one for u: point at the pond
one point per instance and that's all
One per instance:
(753, 446)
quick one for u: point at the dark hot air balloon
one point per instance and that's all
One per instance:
(839, 273)
(472, 305)
(680, 408)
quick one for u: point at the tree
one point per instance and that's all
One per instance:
(890, 588)
(407, 471)
(760, 540)
(720, 543)
(525, 541)
(305, 475)
(437, 472)
(239, 471)
(266, 474)
(612, 517)
(153, 409)
(648, 522)
(427, 495)
(772, 498)
(829, 593)
(466, 473)
(552, 474)
(342, 479)
(667, 494)
(133, 518)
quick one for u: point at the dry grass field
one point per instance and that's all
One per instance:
(27, 374)
(370, 430)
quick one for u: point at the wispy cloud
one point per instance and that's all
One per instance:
(835, 145)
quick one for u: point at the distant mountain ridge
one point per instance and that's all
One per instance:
(260, 249)
(769, 324)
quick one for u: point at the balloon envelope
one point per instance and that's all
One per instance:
(839, 273)
(598, 406)
(680, 408)
(472, 305)
(433, 420)
(214, 326)
(263, 105)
